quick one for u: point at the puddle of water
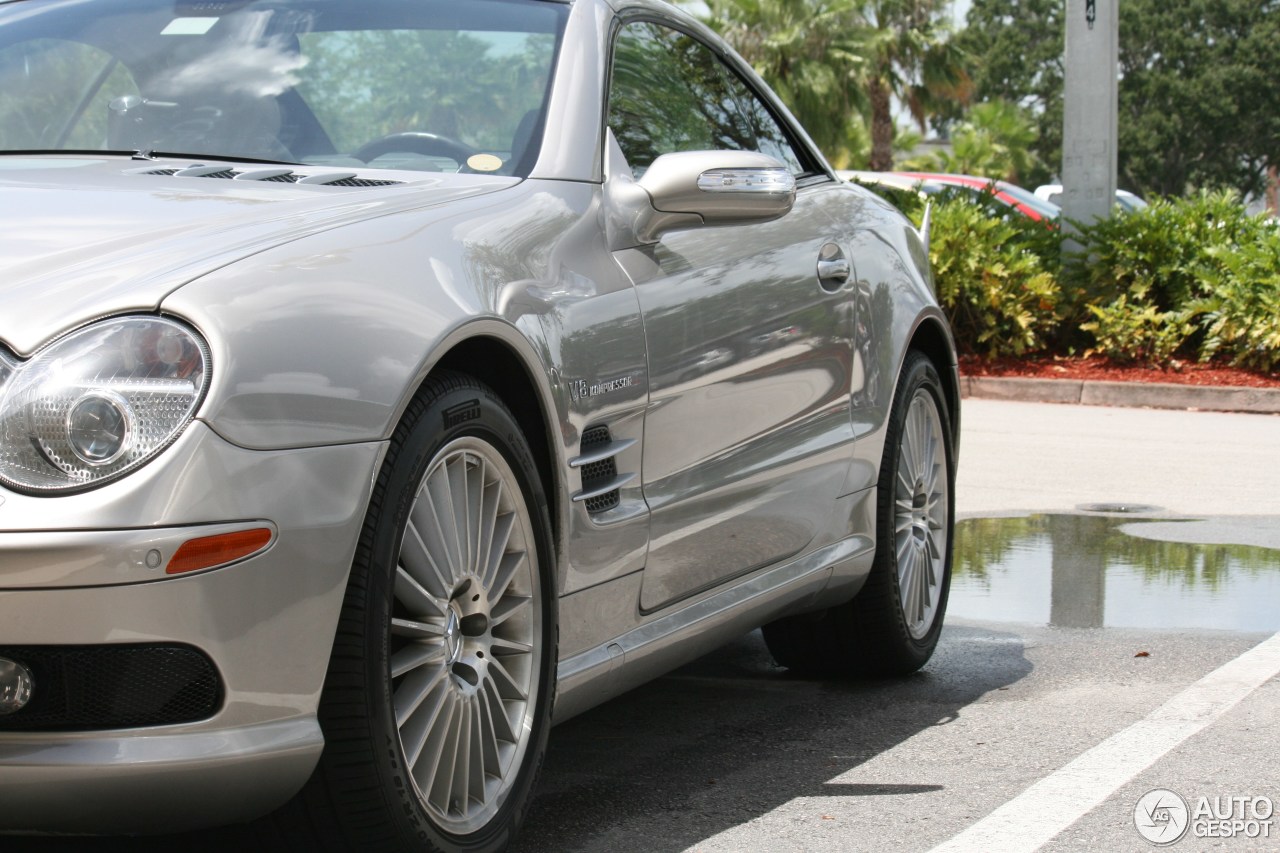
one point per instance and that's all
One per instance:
(1081, 571)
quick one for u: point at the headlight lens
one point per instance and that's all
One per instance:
(99, 403)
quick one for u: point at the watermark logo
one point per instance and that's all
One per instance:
(1162, 817)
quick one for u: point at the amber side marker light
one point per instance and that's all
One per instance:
(209, 551)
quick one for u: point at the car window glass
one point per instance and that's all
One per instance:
(428, 84)
(670, 93)
(471, 86)
(34, 114)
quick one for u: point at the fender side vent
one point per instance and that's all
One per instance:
(601, 481)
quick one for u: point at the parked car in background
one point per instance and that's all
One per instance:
(936, 183)
(383, 381)
(1127, 201)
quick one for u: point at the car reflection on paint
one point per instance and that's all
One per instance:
(352, 433)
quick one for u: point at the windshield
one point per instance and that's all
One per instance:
(403, 84)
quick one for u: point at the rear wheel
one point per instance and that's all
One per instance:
(892, 626)
(437, 704)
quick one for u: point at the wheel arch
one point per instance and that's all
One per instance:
(932, 338)
(496, 362)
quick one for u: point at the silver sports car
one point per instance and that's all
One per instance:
(384, 381)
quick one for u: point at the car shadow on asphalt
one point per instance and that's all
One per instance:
(733, 736)
(711, 746)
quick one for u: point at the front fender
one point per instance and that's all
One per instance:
(324, 340)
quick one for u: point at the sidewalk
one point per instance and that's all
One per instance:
(1133, 394)
(1018, 457)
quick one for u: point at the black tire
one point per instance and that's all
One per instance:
(377, 786)
(872, 635)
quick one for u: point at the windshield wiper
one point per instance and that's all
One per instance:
(74, 151)
(150, 154)
(146, 154)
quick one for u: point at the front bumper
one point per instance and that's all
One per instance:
(73, 573)
(141, 782)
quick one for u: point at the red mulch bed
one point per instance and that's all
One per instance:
(1177, 372)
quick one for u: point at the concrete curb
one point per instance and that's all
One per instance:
(1152, 395)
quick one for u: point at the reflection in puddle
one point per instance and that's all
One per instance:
(1081, 571)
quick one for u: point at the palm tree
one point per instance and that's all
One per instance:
(909, 57)
(836, 62)
(994, 141)
(810, 53)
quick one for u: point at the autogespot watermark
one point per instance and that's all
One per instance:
(1164, 817)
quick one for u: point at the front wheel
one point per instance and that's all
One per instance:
(438, 700)
(892, 626)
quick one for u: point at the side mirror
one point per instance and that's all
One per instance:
(721, 187)
(691, 189)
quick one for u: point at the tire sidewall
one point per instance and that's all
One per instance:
(468, 411)
(918, 373)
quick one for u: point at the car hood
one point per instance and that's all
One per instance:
(82, 238)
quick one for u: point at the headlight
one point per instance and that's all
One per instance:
(98, 403)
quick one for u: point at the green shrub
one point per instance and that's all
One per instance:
(1197, 274)
(993, 279)
(1240, 316)
(1133, 331)
(1157, 255)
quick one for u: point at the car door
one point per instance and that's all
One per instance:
(746, 439)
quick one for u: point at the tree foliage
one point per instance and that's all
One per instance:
(910, 57)
(840, 64)
(1198, 105)
(809, 53)
(994, 141)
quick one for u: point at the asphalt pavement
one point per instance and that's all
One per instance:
(1110, 653)
(1108, 669)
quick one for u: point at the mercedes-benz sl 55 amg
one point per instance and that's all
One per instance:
(383, 381)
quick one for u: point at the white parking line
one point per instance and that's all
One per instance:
(1035, 816)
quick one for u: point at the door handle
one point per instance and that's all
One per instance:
(834, 268)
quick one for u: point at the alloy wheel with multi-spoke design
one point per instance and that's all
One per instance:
(920, 514)
(892, 625)
(437, 702)
(466, 620)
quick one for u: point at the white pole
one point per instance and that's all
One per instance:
(1089, 135)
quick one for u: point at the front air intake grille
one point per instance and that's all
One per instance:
(83, 688)
(596, 474)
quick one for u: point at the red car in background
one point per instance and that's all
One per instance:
(933, 183)
(1024, 201)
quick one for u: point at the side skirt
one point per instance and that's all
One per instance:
(594, 675)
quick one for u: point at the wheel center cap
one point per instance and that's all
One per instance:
(452, 637)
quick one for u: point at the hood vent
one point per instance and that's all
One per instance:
(269, 175)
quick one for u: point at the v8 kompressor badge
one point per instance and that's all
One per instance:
(580, 389)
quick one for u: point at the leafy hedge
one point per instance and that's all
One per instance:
(1194, 278)
(999, 291)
